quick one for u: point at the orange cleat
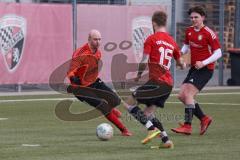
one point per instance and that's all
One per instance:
(183, 129)
(205, 122)
(168, 145)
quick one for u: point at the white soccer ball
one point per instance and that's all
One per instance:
(104, 131)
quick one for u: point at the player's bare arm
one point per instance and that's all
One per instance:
(181, 63)
(142, 66)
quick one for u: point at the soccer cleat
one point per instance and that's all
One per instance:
(126, 132)
(205, 122)
(183, 129)
(168, 145)
(151, 134)
(117, 112)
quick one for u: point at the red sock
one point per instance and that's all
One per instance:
(117, 112)
(114, 119)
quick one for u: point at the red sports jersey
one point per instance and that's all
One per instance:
(85, 65)
(202, 44)
(161, 47)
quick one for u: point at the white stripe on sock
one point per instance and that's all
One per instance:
(164, 134)
(148, 124)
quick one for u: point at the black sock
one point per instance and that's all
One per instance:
(198, 112)
(189, 110)
(138, 114)
(165, 139)
(157, 124)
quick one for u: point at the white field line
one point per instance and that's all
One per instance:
(206, 94)
(37, 99)
(31, 145)
(74, 99)
(2, 119)
(210, 103)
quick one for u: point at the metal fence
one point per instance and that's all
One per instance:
(222, 18)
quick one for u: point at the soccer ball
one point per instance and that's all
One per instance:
(104, 131)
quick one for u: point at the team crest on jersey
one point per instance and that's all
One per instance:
(200, 37)
(189, 33)
(141, 29)
(12, 38)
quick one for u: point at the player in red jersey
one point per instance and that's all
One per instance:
(159, 49)
(84, 72)
(205, 50)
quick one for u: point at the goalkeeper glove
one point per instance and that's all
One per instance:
(75, 80)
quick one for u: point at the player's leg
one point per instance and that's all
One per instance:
(103, 87)
(151, 94)
(205, 120)
(186, 95)
(150, 113)
(114, 114)
(194, 82)
(131, 105)
(110, 115)
(117, 122)
(198, 111)
(144, 95)
(203, 76)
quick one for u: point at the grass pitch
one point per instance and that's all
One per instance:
(30, 130)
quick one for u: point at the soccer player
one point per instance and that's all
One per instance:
(159, 49)
(205, 50)
(84, 72)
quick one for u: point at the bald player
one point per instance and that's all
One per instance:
(84, 72)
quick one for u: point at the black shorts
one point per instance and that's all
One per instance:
(199, 78)
(96, 94)
(153, 93)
